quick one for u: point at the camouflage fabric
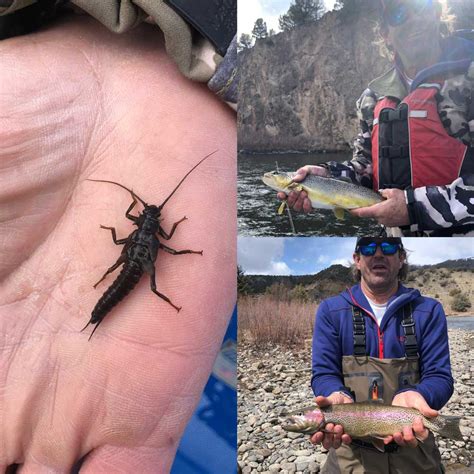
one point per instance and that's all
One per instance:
(456, 106)
(437, 210)
(194, 55)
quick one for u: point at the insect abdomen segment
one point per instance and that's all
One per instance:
(121, 287)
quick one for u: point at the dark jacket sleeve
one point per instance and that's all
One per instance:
(327, 355)
(436, 381)
(434, 208)
(359, 169)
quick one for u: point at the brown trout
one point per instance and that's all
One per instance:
(324, 193)
(369, 421)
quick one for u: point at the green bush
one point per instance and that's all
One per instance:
(460, 302)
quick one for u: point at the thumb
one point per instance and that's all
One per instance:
(425, 409)
(386, 193)
(322, 401)
(301, 174)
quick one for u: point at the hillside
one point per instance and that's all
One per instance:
(442, 281)
(299, 88)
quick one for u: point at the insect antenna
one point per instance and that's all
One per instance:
(185, 176)
(122, 186)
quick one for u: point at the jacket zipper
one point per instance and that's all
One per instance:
(379, 334)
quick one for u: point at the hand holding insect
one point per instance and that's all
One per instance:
(71, 111)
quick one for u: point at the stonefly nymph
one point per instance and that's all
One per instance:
(139, 252)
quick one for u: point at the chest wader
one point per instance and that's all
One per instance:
(371, 378)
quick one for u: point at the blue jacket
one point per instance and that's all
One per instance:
(333, 338)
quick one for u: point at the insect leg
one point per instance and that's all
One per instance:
(178, 252)
(119, 262)
(114, 235)
(127, 212)
(168, 236)
(150, 268)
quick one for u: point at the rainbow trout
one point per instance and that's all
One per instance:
(324, 193)
(369, 421)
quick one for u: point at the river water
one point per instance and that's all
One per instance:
(258, 204)
(463, 322)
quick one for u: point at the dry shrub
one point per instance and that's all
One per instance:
(265, 320)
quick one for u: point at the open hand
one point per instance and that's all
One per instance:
(78, 102)
(393, 212)
(410, 435)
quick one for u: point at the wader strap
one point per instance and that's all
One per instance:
(408, 324)
(359, 332)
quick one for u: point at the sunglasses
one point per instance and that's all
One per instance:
(397, 12)
(387, 248)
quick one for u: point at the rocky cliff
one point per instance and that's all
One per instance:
(299, 88)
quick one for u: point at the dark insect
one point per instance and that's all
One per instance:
(139, 253)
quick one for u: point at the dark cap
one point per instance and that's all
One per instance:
(368, 240)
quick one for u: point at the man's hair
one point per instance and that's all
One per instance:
(402, 274)
(447, 27)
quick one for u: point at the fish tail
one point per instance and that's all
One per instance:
(448, 426)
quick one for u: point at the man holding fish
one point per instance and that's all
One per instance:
(416, 144)
(382, 343)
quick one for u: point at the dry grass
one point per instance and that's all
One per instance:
(264, 320)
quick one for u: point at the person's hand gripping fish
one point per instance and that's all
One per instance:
(391, 212)
(299, 200)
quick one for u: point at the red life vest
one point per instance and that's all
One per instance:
(411, 147)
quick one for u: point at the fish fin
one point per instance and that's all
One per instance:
(376, 401)
(339, 213)
(379, 445)
(281, 209)
(447, 426)
(420, 440)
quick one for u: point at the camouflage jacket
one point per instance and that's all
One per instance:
(434, 210)
(201, 39)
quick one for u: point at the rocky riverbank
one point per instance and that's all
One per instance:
(276, 379)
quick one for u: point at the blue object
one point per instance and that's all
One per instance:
(333, 338)
(209, 443)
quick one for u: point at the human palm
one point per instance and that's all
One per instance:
(78, 102)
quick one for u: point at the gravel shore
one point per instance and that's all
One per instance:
(276, 379)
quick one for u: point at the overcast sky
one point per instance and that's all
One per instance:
(309, 255)
(249, 10)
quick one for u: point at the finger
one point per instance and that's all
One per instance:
(338, 431)
(107, 459)
(419, 429)
(328, 440)
(301, 173)
(298, 205)
(398, 438)
(281, 196)
(292, 197)
(31, 466)
(346, 439)
(322, 401)
(426, 410)
(307, 206)
(317, 437)
(409, 437)
(370, 211)
(386, 193)
(388, 439)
